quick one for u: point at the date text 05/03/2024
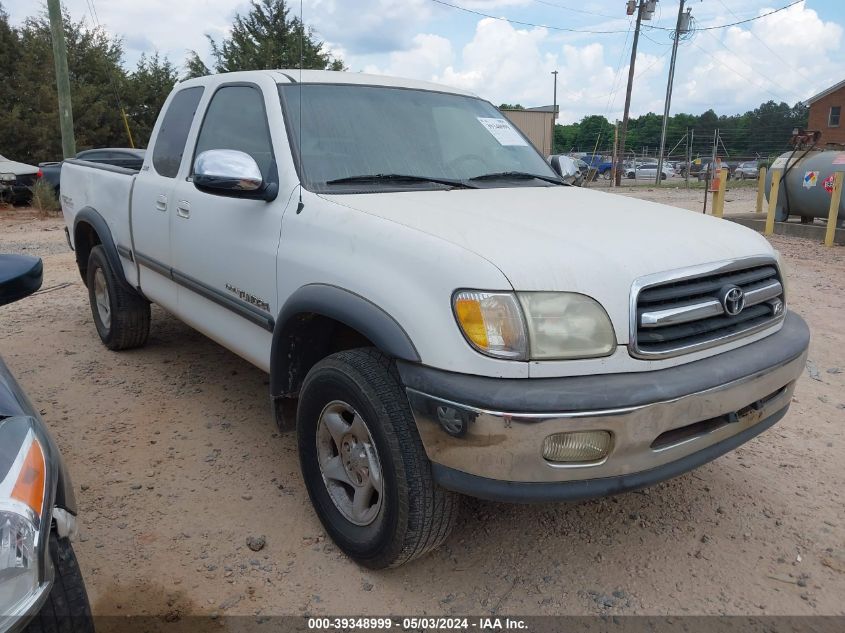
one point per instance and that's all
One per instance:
(416, 624)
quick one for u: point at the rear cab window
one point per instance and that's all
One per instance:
(173, 133)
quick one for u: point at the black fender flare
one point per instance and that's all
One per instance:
(338, 304)
(91, 216)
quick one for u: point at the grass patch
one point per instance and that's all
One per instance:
(44, 199)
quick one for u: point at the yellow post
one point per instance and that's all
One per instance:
(719, 197)
(128, 131)
(835, 197)
(773, 201)
(761, 188)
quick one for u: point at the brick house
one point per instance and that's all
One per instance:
(827, 113)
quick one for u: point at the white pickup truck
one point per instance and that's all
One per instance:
(437, 311)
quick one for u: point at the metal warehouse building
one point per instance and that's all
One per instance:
(537, 124)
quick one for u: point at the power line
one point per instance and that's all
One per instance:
(769, 79)
(738, 74)
(92, 9)
(769, 48)
(523, 23)
(574, 10)
(759, 17)
(594, 31)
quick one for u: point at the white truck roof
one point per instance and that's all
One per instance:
(293, 75)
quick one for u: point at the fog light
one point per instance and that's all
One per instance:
(577, 446)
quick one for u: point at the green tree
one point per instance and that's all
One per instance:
(94, 64)
(267, 37)
(145, 92)
(10, 105)
(195, 67)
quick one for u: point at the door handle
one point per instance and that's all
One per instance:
(161, 203)
(183, 209)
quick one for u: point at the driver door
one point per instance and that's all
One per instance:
(225, 247)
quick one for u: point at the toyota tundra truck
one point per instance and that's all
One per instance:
(439, 314)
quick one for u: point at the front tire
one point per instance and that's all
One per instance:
(121, 315)
(66, 609)
(364, 464)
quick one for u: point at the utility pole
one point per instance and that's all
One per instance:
(615, 149)
(554, 113)
(709, 173)
(642, 6)
(57, 32)
(682, 26)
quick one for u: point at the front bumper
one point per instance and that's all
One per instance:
(484, 436)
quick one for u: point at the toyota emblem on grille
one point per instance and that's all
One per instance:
(732, 299)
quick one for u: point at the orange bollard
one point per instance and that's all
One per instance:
(715, 173)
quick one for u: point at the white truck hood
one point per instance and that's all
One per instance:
(567, 238)
(13, 167)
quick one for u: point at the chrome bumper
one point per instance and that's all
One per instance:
(507, 445)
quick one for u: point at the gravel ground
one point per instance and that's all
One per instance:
(177, 463)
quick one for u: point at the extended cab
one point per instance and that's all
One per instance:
(437, 311)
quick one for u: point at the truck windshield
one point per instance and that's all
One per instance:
(372, 138)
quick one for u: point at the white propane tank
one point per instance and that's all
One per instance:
(806, 188)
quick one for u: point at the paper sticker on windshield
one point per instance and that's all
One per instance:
(503, 131)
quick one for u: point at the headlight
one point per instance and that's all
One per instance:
(566, 325)
(22, 497)
(535, 325)
(18, 555)
(492, 322)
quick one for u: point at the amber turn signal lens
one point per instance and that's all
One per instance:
(469, 316)
(492, 322)
(29, 487)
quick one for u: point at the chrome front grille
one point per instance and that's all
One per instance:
(684, 311)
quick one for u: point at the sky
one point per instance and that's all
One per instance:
(788, 56)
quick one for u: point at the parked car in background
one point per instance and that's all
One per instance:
(705, 171)
(648, 170)
(41, 586)
(117, 156)
(746, 170)
(16, 181)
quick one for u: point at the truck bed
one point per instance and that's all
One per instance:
(105, 189)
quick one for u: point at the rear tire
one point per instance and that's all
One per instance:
(414, 514)
(66, 609)
(121, 315)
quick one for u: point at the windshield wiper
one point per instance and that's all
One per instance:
(364, 178)
(517, 175)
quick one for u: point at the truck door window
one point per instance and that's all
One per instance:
(236, 119)
(170, 142)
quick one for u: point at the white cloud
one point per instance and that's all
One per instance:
(730, 70)
(786, 57)
(427, 55)
(503, 63)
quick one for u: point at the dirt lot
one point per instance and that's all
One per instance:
(176, 461)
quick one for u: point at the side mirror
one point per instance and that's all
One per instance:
(20, 276)
(564, 167)
(233, 173)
